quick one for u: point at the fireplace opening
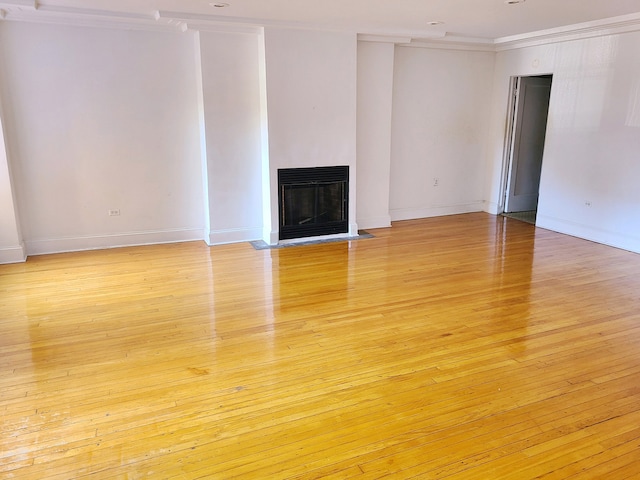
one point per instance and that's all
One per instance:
(313, 201)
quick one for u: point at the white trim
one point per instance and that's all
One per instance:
(196, 20)
(270, 237)
(363, 37)
(31, 11)
(209, 23)
(445, 44)
(221, 28)
(512, 120)
(13, 255)
(19, 4)
(234, 235)
(383, 221)
(598, 28)
(587, 232)
(493, 208)
(95, 242)
(269, 234)
(426, 212)
(92, 12)
(202, 131)
(85, 17)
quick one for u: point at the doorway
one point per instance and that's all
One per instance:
(528, 125)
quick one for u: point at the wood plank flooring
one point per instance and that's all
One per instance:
(461, 347)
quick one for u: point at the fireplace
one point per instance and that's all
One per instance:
(313, 201)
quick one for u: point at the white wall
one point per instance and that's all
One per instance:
(102, 119)
(99, 119)
(441, 100)
(231, 93)
(311, 101)
(590, 170)
(375, 102)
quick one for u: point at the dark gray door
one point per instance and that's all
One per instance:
(530, 125)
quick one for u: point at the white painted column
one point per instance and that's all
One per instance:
(375, 101)
(11, 246)
(311, 93)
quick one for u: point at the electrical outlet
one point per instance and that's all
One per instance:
(114, 213)
(587, 203)
(436, 181)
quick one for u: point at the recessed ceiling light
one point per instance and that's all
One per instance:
(219, 5)
(514, 2)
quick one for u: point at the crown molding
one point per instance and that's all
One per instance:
(84, 17)
(209, 23)
(365, 37)
(221, 28)
(441, 42)
(8, 7)
(194, 21)
(598, 28)
(19, 4)
(453, 43)
(32, 11)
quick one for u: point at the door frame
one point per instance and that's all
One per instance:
(507, 152)
(509, 137)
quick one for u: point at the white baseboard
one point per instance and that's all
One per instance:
(493, 208)
(587, 232)
(270, 237)
(439, 211)
(96, 242)
(374, 222)
(235, 235)
(13, 254)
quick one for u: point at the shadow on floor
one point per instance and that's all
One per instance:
(529, 217)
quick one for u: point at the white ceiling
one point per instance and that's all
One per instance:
(488, 19)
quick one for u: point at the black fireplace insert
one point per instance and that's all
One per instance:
(313, 201)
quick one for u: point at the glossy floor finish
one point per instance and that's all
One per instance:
(469, 346)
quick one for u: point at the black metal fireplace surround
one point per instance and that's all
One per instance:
(313, 201)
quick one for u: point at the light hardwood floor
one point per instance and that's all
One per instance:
(464, 347)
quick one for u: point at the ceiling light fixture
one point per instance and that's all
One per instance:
(435, 23)
(514, 2)
(219, 5)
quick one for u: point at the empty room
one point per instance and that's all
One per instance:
(285, 239)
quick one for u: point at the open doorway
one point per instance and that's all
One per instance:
(528, 126)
